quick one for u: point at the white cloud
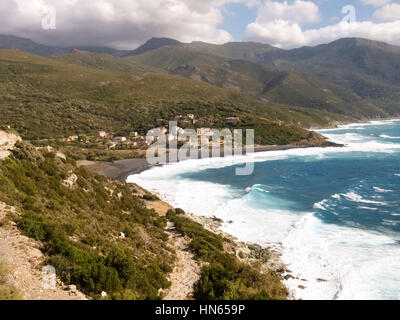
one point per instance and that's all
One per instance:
(389, 12)
(279, 33)
(280, 24)
(289, 35)
(376, 3)
(297, 11)
(128, 23)
(123, 23)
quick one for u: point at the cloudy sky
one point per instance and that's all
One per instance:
(128, 23)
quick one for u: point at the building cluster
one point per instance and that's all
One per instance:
(137, 141)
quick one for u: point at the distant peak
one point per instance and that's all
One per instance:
(164, 40)
(155, 43)
(360, 42)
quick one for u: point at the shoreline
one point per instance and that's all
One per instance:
(121, 169)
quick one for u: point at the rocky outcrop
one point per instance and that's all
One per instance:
(70, 181)
(7, 142)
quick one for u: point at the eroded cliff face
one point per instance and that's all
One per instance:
(7, 142)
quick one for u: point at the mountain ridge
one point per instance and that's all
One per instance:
(25, 44)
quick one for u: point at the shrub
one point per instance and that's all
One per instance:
(150, 197)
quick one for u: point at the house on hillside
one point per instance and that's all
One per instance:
(72, 138)
(102, 134)
(233, 120)
(134, 134)
(119, 139)
(154, 134)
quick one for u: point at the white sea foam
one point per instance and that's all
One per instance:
(338, 254)
(367, 208)
(390, 223)
(352, 196)
(321, 205)
(388, 137)
(380, 190)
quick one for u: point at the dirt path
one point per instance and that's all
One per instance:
(187, 270)
(22, 256)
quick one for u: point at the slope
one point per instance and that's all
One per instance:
(45, 98)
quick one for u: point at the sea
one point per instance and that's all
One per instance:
(332, 213)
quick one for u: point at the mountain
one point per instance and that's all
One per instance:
(46, 98)
(13, 42)
(104, 62)
(153, 44)
(353, 77)
(369, 68)
(264, 83)
(234, 50)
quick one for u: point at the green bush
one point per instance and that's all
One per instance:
(150, 197)
(179, 211)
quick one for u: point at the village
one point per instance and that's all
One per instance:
(140, 141)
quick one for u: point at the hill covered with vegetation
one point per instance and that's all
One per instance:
(100, 236)
(79, 219)
(358, 67)
(266, 84)
(46, 98)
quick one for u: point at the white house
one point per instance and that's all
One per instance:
(102, 134)
(119, 139)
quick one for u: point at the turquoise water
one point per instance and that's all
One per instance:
(334, 214)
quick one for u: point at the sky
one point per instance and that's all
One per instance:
(126, 24)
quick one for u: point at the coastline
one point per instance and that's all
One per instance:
(121, 169)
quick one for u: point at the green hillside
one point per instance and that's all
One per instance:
(289, 88)
(100, 236)
(47, 98)
(79, 226)
(103, 62)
